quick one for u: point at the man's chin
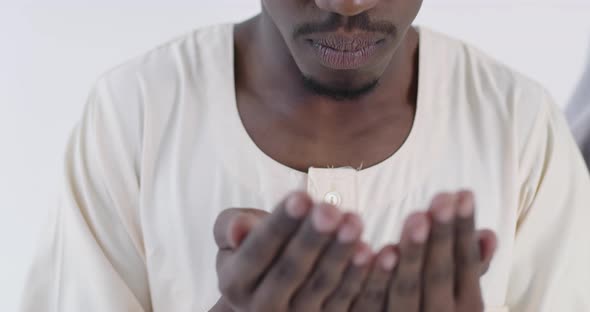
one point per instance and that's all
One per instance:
(341, 91)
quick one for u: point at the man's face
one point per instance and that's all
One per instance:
(342, 45)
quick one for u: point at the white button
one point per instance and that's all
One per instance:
(333, 198)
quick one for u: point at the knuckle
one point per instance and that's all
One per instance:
(407, 286)
(374, 294)
(352, 283)
(469, 257)
(286, 269)
(250, 254)
(346, 292)
(439, 274)
(473, 254)
(343, 294)
(309, 239)
(277, 227)
(411, 255)
(441, 233)
(321, 280)
(464, 227)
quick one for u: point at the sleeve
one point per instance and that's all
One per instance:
(578, 113)
(91, 255)
(551, 256)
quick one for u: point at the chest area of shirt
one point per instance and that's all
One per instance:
(196, 195)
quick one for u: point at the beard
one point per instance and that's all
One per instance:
(339, 93)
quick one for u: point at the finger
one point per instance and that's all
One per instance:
(405, 289)
(297, 260)
(467, 255)
(329, 268)
(488, 244)
(232, 228)
(221, 306)
(373, 297)
(352, 281)
(240, 273)
(232, 225)
(438, 278)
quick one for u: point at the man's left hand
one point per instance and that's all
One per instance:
(440, 260)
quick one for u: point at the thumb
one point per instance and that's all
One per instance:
(233, 225)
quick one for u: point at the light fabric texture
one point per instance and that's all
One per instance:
(161, 151)
(578, 113)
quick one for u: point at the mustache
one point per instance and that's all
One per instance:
(335, 21)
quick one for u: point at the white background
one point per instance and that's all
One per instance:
(51, 53)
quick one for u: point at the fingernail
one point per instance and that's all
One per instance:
(420, 231)
(466, 206)
(349, 232)
(362, 257)
(239, 230)
(440, 199)
(388, 260)
(445, 214)
(443, 208)
(296, 206)
(326, 218)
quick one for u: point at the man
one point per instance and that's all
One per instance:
(350, 103)
(578, 113)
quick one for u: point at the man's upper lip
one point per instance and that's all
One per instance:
(346, 42)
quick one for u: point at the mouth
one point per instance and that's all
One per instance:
(348, 52)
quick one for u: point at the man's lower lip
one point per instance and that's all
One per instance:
(344, 60)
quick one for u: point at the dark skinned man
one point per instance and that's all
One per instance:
(383, 144)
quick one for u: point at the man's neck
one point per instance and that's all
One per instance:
(272, 98)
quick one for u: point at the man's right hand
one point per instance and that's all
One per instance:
(302, 257)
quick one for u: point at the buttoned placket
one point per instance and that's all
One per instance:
(337, 186)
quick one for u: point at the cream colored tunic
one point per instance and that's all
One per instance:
(161, 150)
